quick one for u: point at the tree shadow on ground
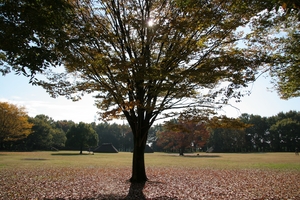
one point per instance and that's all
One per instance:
(34, 159)
(201, 156)
(69, 154)
(135, 193)
(196, 155)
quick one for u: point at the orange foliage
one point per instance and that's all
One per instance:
(14, 122)
(182, 135)
(227, 123)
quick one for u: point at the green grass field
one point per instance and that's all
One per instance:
(282, 161)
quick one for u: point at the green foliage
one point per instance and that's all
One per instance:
(81, 135)
(58, 138)
(65, 125)
(257, 135)
(281, 27)
(286, 134)
(227, 140)
(119, 135)
(278, 133)
(45, 135)
(288, 72)
(31, 34)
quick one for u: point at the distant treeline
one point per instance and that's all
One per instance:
(278, 133)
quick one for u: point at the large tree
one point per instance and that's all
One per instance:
(14, 124)
(144, 58)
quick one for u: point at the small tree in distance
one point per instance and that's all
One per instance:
(182, 134)
(81, 135)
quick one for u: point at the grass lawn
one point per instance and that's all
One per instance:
(284, 161)
(68, 175)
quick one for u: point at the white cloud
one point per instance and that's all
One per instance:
(58, 109)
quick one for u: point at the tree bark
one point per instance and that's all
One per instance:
(138, 161)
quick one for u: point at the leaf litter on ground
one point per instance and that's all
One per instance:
(93, 183)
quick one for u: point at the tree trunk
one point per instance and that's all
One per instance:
(81, 149)
(181, 151)
(138, 161)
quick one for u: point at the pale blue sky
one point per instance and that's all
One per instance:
(16, 89)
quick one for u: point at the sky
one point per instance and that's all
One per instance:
(16, 90)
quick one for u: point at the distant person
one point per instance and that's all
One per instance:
(296, 151)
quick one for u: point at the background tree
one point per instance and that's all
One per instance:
(81, 135)
(14, 124)
(152, 136)
(58, 138)
(294, 115)
(258, 133)
(227, 134)
(274, 121)
(126, 139)
(109, 133)
(44, 134)
(65, 125)
(227, 140)
(285, 135)
(182, 134)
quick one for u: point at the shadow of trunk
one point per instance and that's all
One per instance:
(136, 191)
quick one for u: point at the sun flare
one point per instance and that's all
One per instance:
(150, 22)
